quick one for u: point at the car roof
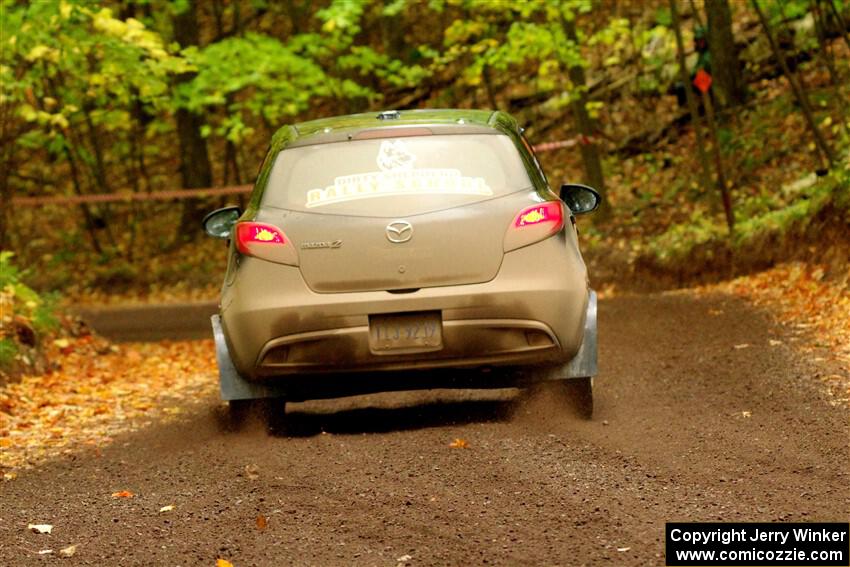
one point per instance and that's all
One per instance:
(437, 121)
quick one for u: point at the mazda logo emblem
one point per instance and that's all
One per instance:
(399, 231)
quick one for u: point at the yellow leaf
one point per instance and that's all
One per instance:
(37, 52)
(459, 444)
(68, 551)
(223, 563)
(123, 494)
(40, 528)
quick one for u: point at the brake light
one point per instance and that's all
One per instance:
(265, 241)
(534, 224)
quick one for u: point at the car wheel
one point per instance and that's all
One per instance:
(270, 412)
(274, 415)
(237, 413)
(579, 394)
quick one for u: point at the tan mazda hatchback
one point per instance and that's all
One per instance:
(403, 250)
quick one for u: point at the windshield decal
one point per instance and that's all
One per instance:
(393, 156)
(397, 176)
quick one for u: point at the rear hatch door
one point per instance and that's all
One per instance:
(398, 213)
(460, 245)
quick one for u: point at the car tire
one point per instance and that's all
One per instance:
(235, 415)
(579, 394)
(274, 415)
(270, 412)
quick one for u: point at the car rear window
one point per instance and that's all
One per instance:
(395, 176)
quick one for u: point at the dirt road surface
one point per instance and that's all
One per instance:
(687, 428)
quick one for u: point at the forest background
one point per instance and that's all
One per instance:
(108, 108)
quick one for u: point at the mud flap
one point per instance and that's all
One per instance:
(232, 385)
(583, 363)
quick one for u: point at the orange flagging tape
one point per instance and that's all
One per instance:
(126, 197)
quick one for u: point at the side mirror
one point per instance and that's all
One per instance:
(580, 199)
(219, 223)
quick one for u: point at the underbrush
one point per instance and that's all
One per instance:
(140, 253)
(759, 229)
(27, 320)
(670, 230)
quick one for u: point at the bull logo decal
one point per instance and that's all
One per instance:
(393, 156)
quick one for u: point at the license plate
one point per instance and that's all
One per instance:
(405, 332)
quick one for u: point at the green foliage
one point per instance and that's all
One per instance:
(21, 298)
(678, 241)
(280, 82)
(65, 64)
(17, 300)
(368, 62)
(509, 37)
(757, 219)
(9, 272)
(8, 351)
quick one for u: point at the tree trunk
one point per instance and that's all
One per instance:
(718, 163)
(726, 68)
(693, 107)
(823, 44)
(5, 194)
(586, 127)
(195, 168)
(8, 135)
(488, 87)
(841, 23)
(799, 93)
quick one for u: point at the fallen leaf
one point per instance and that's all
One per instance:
(459, 444)
(262, 522)
(253, 471)
(45, 552)
(41, 528)
(746, 413)
(623, 548)
(10, 476)
(168, 508)
(62, 343)
(742, 345)
(123, 494)
(223, 563)
(68, 551)
(775, 342)
(404, 558)
(86, 399)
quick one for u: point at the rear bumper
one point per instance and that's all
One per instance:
(532, 312)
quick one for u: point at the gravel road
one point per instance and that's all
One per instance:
(689, 426)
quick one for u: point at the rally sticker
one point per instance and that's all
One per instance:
(397, 176)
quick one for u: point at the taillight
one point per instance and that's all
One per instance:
(534, 224)
(265, 241)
